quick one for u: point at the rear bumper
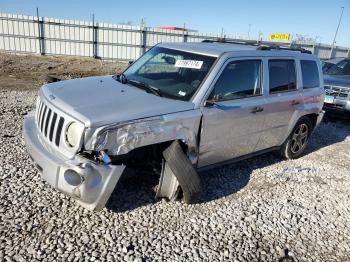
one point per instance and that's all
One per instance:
(90, 183)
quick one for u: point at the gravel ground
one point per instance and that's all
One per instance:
(261, 209)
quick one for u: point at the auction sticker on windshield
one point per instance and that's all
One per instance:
(195, 64)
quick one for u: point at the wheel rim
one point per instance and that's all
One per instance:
(299, 138)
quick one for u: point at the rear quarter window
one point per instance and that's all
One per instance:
(310, 75)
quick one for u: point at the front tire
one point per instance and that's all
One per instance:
(297, 141)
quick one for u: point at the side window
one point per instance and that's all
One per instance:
(238, 80)
(282, 76)
(309, 71)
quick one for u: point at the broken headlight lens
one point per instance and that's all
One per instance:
(73, 134)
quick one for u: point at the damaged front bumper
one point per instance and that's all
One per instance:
(90, 183)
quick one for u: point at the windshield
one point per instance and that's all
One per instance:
(171, 73)
(326, 66)
(342, 68)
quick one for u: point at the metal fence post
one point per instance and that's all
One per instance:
(143, 40)
(95, 42)
(41, 33)
(94, 38)
(185, 37)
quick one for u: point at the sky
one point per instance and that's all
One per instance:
(317, 19)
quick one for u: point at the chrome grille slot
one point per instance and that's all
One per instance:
(59, 131)
(50, 123)
(42, 118)
(47, 122)
(38, 112)
(337, 91)
(343, 92)
(52, 128)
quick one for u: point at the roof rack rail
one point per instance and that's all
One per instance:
(277, 47)
(261, 45)
(240, 42)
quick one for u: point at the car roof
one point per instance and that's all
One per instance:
(216, 49)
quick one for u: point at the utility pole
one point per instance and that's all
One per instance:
(143, 23)
(336, 31)
(249, 26)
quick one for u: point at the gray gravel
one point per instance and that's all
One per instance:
(258, 209)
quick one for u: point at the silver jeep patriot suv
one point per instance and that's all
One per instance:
(179, 108)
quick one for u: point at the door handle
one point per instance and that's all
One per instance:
(257, 110)
(295, 102)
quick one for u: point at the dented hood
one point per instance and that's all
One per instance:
(98, 101)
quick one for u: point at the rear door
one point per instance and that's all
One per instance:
(231, 126)
(283, 98)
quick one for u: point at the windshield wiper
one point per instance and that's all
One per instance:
(147, 87)
(122, 79)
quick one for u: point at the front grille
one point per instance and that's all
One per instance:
(49, 123)
(337, 91)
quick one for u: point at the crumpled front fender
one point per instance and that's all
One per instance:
(122, 138)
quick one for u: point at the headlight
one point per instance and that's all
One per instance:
(73, 134)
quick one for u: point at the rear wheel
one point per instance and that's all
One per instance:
(296, 143)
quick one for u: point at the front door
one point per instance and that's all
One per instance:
(233, 118)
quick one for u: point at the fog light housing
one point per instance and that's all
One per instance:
(73, 178)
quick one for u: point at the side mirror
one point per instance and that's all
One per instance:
(131, 62)
(212, 101)
(209, 103)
